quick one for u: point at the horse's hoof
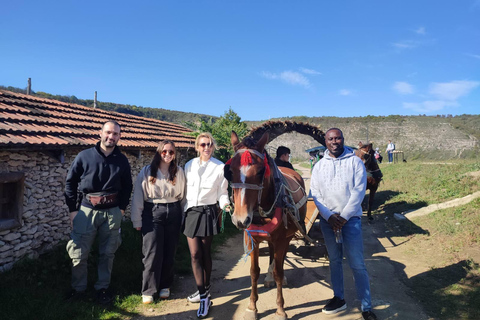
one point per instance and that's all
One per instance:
(250, 314)
(281, 317)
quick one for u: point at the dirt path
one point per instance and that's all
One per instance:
(308, 287)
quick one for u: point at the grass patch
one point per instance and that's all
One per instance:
(305, 165)
(445, 240)
(450, 292)
(35, 289)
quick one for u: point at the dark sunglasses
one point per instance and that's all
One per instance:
(203, 145)
(170, 152)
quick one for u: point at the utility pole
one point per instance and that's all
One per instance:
(95, 100)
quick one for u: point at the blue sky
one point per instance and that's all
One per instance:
(264, 59)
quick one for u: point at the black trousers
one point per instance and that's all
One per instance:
(160, 229)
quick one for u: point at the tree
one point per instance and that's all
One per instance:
(221, 130)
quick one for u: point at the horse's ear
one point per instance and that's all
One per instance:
(234, 138)
(262, 142)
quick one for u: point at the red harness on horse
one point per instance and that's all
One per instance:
(265, 230)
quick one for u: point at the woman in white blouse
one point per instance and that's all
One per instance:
(156, 211)
(206, 186)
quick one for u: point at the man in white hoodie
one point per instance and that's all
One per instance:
(338, 187)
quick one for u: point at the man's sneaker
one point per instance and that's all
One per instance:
(104, 296)
(165, 293)
(147, 299)
(75, 295)
(334, 305)
(195, 298)
(369, 315)
(205, 304)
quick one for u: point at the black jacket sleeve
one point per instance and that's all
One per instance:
(71, 184)
(126, 187)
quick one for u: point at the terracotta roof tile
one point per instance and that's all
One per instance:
(32, 121)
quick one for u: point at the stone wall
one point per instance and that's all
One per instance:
(426, 139)
(45, 220)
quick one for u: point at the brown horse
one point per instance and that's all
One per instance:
(374, 175)
(255, 195)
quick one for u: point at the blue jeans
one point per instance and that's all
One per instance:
(390, 156)
(353, 248)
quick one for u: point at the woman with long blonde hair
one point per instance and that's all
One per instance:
(206, 186)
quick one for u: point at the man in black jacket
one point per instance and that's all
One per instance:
(97, 192)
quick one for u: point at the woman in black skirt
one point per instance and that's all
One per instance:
(206, 186)
(156, 211)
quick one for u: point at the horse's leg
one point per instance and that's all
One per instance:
(269, 281)
(251, 312)
(371, 197)
(281, 247)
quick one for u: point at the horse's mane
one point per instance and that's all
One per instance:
(277, 128)
(247, 142)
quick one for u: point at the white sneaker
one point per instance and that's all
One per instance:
(147, 299)
(165, 293)
(195, 297)
(205, 305)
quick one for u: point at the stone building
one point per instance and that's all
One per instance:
(39, 138)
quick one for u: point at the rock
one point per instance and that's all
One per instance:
(399, 216)
(12, 236)
(31, 230)
(5, 248)
(22, 245)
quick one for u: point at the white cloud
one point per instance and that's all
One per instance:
(290, 77)
(410, 44)
(452, 90)
(407, 44)
(309, 71)
(429, 106)
(421, 30)
(403, 87)
(444, 95)
(269, 75)
(476, 56)
(344, 92)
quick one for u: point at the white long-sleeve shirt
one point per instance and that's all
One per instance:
(162, 191)
(205, 183)
(390, 147)
(338, 185)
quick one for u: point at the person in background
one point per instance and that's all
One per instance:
(338, 187)
(206, 186)
(390, 149)
(378, 156)
(103, 176)
(157, 212)
(283, 157)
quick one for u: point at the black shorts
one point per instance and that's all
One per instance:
(202, 221)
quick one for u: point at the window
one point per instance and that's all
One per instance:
(11, 199)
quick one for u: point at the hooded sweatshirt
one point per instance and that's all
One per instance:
(338, 185)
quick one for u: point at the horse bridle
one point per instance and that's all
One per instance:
(251, 186)
(367, 153)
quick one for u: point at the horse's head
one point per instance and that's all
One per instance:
(366, 153)
(248, 169)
